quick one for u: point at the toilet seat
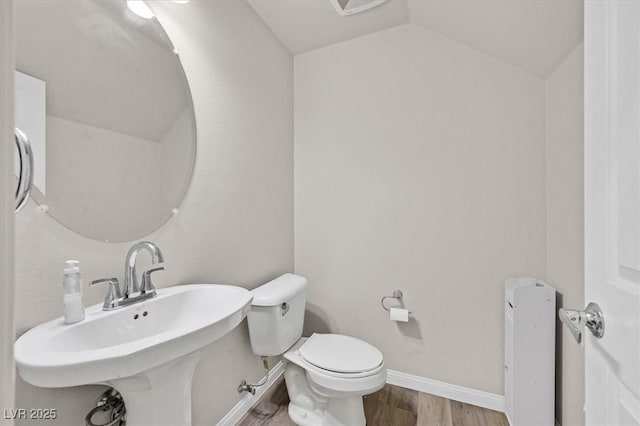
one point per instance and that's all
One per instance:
(335, 384)
(344, 355)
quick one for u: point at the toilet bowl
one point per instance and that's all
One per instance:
(326, 368)
(326, 374)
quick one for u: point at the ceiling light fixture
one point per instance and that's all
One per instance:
(140, 8)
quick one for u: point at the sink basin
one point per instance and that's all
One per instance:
(147, 351)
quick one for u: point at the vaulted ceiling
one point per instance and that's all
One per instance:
(534, 35)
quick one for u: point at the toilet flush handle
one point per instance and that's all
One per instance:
(285, 308)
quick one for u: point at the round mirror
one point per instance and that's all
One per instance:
(102, 96)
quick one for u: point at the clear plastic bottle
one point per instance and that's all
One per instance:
(72, 292)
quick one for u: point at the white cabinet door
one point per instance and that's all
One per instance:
(612, 209)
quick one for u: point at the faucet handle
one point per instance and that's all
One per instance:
(147, 285)
(113, 293)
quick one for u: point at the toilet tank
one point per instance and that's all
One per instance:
(277, 314)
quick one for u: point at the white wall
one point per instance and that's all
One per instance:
(419, 165)
(235, 225)
(7, 204)
(565, 224)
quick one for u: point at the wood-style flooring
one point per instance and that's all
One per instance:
(390, 406)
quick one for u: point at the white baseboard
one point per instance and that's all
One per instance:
(244, 405)
(457, 393)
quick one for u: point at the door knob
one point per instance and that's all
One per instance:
(591, 317)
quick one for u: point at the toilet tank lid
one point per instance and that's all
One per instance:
(278, 291)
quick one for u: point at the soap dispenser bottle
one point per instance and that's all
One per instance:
(72, 292)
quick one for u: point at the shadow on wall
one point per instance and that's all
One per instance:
(315, 321)
(411, 328)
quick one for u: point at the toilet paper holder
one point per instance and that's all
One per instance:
(397, 295)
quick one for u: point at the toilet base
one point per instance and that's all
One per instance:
(312, 408)
(338, 412)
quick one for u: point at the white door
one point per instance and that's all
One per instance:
(612, 209)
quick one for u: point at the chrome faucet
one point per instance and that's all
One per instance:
(115, 298)
(130, 279)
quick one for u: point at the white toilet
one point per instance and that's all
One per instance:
(326, 374)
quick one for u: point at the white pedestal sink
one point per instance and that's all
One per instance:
(147, 351)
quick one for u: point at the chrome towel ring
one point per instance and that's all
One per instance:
(25, 179)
